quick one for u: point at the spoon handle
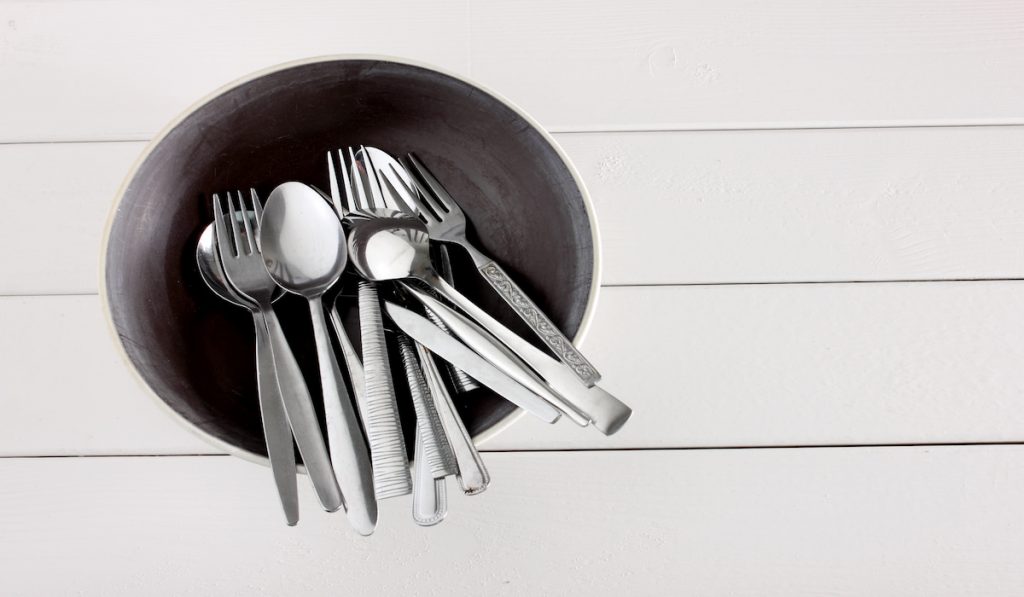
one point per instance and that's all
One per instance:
(298, 405)
(344, 437)
(276, 431)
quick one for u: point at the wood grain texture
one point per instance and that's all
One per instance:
(653, 64)
(702, 366)
(895, 522)
(755, 206)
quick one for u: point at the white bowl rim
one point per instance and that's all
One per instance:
(232, 449)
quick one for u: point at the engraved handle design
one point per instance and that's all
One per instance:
(540, 323)
(383, 429)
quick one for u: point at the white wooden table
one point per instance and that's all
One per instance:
(828, 373)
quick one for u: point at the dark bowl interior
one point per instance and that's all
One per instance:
(196, 352)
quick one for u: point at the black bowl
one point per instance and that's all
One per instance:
(527, 207)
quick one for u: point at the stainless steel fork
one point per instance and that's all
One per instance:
(447, 223)
(244, 268)
(377, 404)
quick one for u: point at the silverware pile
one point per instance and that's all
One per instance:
(384, 216)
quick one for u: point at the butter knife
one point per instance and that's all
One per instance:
(457, 353)
(605, 411)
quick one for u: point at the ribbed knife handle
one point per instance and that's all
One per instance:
(384, 430)
(539, 323)
(437, 451)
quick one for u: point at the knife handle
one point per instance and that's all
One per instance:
(473, 475)
(429, 494)
(539, 323)
(436, 450)
(383, 428)
(607, 412)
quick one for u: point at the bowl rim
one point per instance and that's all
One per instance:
(228, 448)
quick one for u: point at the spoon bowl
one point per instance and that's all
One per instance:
(391, 246)
(212, 271)
(302, 240)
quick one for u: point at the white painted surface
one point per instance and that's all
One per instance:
(739, 206)
(899, 522)
(711, 366)
(655, 64)
(748, 365)
(120, 69)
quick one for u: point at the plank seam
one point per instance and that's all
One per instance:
(658, 285)
(585, 450)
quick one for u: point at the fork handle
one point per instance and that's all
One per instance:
(298, 405)
(539, 323)
(278, 435)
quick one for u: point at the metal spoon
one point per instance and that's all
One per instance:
(304, 249)
(395, 247)
(278, 434)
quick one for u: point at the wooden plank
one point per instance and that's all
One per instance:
(888, 522)
(825, 205)
(121, 69)
(100, 70)
(650, 64)
(764, 206)
(702, 366)
(66, 390)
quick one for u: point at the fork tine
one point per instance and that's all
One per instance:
(436, 189)
(376, 193)
(335, 193)
(362, 203)
(410, 198)
(349, 195)
(248, 226)
(221, 231)
(236, 233)
(428, 197)
(406, 201)
(257, 207)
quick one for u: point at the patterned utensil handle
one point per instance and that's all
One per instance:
(384, 430)
(540, 323)
(437, 451)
